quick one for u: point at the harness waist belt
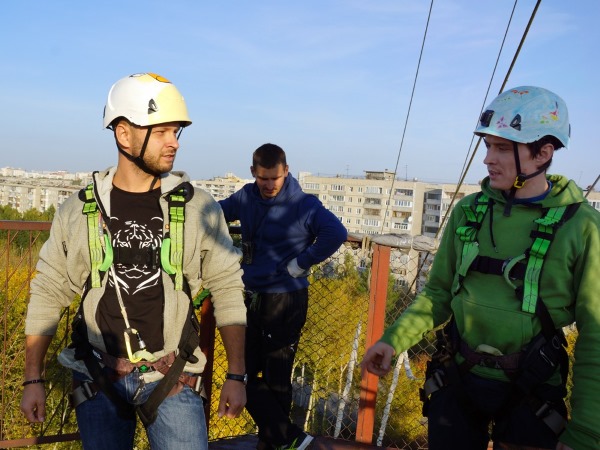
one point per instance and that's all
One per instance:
(86, 390)
(122, 366)
(508, 363)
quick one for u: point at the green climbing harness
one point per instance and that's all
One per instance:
(102, 259)
(528, 265)
(171, 251)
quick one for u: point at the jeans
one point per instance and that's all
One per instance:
(275, 322)
(180, 424)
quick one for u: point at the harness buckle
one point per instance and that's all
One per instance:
(546, 358)
(198, 386)
(84, 392)
(551, 417)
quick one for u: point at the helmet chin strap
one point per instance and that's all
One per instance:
(139, 160)
(519, 180)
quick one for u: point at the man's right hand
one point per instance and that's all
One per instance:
(378, 359)
(33, 402)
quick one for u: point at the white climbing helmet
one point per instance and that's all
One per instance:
(145, 99)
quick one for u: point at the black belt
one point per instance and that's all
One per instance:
(493, 266)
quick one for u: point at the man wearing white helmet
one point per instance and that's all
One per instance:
(138, 245)
(517, 262)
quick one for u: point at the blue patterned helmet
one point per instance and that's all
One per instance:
(525, 114)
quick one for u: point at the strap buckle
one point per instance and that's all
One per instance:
(82, 393)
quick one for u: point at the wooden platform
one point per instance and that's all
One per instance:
(249, 442)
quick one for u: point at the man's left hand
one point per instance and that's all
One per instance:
(233, 399)
(295, 270)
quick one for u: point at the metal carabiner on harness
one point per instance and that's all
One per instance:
(142, 353)
(508, 266)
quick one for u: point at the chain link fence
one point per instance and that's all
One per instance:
(18, 254)
(327, 378)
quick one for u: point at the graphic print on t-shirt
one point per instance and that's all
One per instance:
(142, 239)
(136, 226)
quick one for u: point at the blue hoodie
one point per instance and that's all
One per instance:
(291, 225)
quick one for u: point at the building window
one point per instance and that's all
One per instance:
(407, 192)
(372, 222)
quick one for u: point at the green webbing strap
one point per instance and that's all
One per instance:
(468, 234)
(537, 252)
(176, 221)
(90, 208)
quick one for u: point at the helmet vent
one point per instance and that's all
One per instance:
(486, 118)
(516, 122)
(152, 107)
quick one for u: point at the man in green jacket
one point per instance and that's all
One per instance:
(517, 263)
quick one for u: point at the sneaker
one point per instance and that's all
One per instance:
(299, 446)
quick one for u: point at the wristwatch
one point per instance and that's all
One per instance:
(236, 377)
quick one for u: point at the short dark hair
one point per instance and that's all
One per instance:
(268, 156)
(535, 147)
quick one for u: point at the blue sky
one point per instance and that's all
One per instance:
(328, 80)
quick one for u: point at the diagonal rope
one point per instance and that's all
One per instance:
(592, 186)
(407, 116)
(443, 219)
(469, 161)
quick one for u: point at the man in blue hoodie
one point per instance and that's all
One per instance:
(284, 233)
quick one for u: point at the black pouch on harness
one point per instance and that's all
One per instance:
(540, 359)
(441, 370)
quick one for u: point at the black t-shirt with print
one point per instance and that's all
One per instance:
(136, 226)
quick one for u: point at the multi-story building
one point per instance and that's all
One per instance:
(379, 203)
(221, 187)
(38, 190)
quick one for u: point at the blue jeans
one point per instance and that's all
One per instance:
(180, 423)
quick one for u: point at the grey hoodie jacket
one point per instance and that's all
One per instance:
(209, 261)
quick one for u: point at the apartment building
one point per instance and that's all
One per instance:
(379, 203)
(23, 190)
(222, 187)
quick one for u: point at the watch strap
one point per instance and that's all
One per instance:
(236, 377)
